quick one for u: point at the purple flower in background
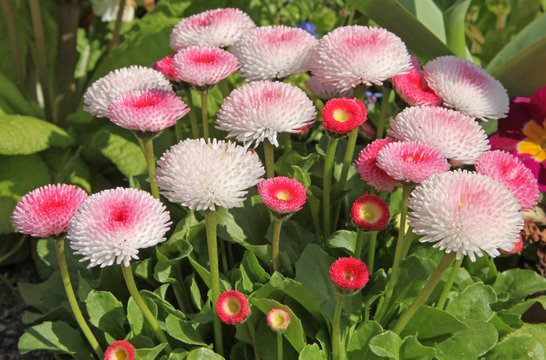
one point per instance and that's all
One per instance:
(310, 28)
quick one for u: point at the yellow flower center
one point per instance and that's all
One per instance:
(283, 195)
(232, 306)
(279, 320)
(368, 213)
(535, 141)
(341, 115)
(120, 354)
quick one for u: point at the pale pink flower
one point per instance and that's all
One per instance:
(46, 211)
(413, 88)
(120, 350)
(112, 225)
(466, 87)
(147, 110)
(218, 27)
(510, 171)
(204, 65)
(262, 109)
(352, 55)
(98, 96)
(466, 213)
(283, 195)
(165, 66)
(458, 136)
(326, 92)
(278, 320)
(411, 161)
(366, 166)
(274, 52)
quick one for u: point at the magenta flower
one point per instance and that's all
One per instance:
(232, 307)
(342, 115)
(47, 211)
(413, 88)
(523, 134)
(283, 195)
(165, 66)
(349, 273)
(366, 166)
(370, 212)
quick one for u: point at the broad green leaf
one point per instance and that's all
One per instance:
(476, 339)
(55, 336)
(203, 354)
(136, 319)
(524, 306)
(357, 347)
(183, 330)
(473, 303)
(178, 354)
(537, 331)
(106, 313)
(515, 347)
(412, 349)
(513, 286)
(312, 352)
(386, 344)
(432, 323)
(344, 239)
(253, 268)
(428, 13)
(23, 135)
(149, 354)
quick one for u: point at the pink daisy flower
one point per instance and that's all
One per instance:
(148, 110)
(466, 213)
(274, 52)
(510, 172)
(366, 166)
(411, 161)
(466, 87)
(370, 212)
(326, 92)
(46, 211)
(262, 109)
(413, 88)
(112, 225)
(283, 195)
(219, 27)
(165, 66)
(203, 66)
(349, 273)
(341, 116)
(120, 350)
(98, 96)
(352, 55)
(458, 136)
(278, 320)
(232, 307)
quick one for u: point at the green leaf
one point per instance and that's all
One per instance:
(475, 340)
(537, 331)
(312, 352)
(294, 332)
(428, 13)
(106, 313)
(183, 330)
(344, 239)
(136, 320)
(149, 354)
(358, 344)
(55, 336)
(23, 135)
(413, 349)
(431, 323)
(513, 286)
(515, 347)
(11, 100)
(178, 354)
(68, 167)
(473, 303)
(386, 344)
(203, 354)
(254, 269)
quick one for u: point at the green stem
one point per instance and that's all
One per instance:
(204, 114)
(383, 114)
(448, 284)
(327, 181)
(425, 292)
(224, 257)
(117, 27)
(359, 243)
(41, 56)
(279, 346)
(211, 219)
(178, 130)
(351, 16)
(224, 89)
(59, 247)
(286, 141)
(275, 245)
(252, 334)
(269, 154)
(371, 251)
(359, 92)
(335, 329)
(193, 118)
(347, 159)
(147, 145)
(13, 44)
(398, 252)
(131, 286)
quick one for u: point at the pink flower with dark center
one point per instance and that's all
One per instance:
(411, 161)
(278, 320)
(120, 350)
(204, 65)
(458, 136)
(232, 307)
(342, 115)
(274, 52)
(218, 27)
(413, 88)
(326, 92)
(366, 166)
(112, 225)
(510, 172)
(46, 211)
(466, 87)
(352, 55)
(349, 273)
(165, 66)
(283, 195)
(370, 212)
(147, 110)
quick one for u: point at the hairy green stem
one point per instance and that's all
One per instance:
(371, 251)
(425, 292)
(327, 181)
(252, 333)
(269, 154)
(335, 329)
(147, 145)
(347, 159)
(63, 268)
(13, 44)
(279, 346)
(193, 118)
(449, 283)
(383, 114)
(204, 114)
(117, 27)
(211, 219)
(275, 246)
(224, 89)
(359, 245)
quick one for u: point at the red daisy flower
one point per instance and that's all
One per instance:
(343, 115)
(232, 307)
(366, 166)
(349, 273)
(120, 350)
(370, 212)
(282, 194)
(278, 320)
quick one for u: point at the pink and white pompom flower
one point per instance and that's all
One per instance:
(326, 92)
(465, 212)
(458, 136)
(149, 110)
(218, 27)
(413, 88)
(366, 166)
(112, 225)
(466, 87)
(100, 94)
(510, 171)
(352, 55)
(411, 161)
(203, 174)
(262, 109)
(232, 307)
(204, 66)
(46, 211)
(283, 195)
(120, 350)
(278, 320)
(165, 66)
(274, 52)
